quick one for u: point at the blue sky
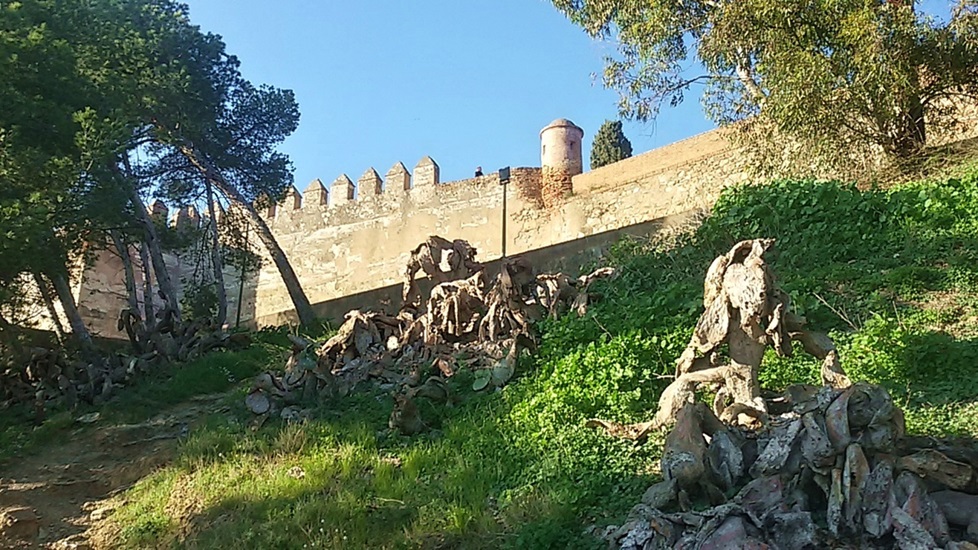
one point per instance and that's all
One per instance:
(467, 82)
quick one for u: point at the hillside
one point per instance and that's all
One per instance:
(891, 273)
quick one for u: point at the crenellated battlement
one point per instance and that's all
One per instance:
(183, 218)
(372, 197)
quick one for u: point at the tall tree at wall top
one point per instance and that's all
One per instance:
(836, 78)
(610, 145)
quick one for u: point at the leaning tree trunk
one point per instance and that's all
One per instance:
(42, 287)
(78, 329)
(129, 320)
(148, 309)
(216, 262)
(299, 300)
(130, 276)
(152, 241)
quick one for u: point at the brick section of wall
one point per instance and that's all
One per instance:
(556, 186)
(529, 185)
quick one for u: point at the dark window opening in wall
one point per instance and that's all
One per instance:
(544, 149)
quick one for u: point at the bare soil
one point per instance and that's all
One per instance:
(66, 485)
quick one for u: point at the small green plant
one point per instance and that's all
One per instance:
(199, 300)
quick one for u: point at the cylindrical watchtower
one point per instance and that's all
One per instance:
(560, 159)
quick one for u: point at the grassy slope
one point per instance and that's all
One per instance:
(892, 273)
(216, 373)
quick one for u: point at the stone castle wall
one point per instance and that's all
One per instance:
(354, 238)
(363, 244)
(349, 243)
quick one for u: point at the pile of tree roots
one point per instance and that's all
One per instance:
(815, 467)
(53, 376)
(467, 321)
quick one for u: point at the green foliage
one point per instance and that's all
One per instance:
(610, 145)
(841, 79)
(516, 468)
(199, 300)
(102, 100)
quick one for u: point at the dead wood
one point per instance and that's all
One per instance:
(466, 322)
(46, 377)
(830, 471)
(744, 312)
(815, 467)
(428, 256)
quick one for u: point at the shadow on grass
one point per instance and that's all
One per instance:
(335, 482)
(142, 399)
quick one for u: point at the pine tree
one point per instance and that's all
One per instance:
(610, 145)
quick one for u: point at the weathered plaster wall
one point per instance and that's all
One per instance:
(361, 246)
(349, 242)
(100, 291)
(364, 244)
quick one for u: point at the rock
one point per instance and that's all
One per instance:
(960, 509)
(732, 533)
(726, 460)
(19, 523)
(794, 530)
(815, 445)
(775, 453)
(257, 402)
(854, 475)
(909, 533)
(876, 518)
(934, 465)
(101, 513)
(660, 495)
(919, 505)
(762, 497)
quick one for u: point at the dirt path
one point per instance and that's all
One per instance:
(50, 499)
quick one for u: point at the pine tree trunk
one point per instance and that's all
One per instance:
(301, 303)
(917, 129)
(78, 329)
(152, 241)
(130, 276)
(216, 262)
(126, 321)
(42, 287)
(148, 309)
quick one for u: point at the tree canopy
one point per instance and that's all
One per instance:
(110, 101)
(610, 145)
(828, 73)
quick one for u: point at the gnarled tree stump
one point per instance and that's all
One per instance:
(745, 312)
